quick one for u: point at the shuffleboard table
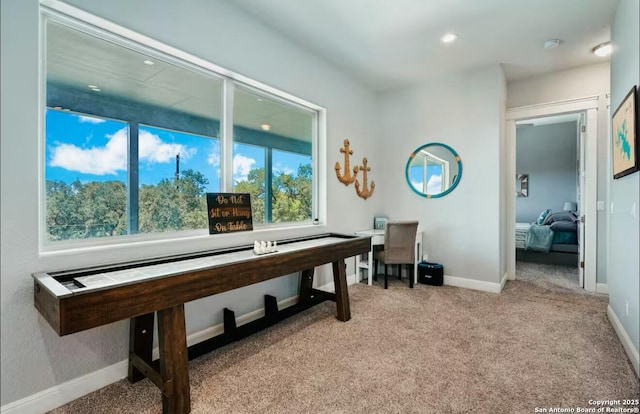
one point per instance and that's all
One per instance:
(79, 299)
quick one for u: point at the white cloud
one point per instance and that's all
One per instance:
(279, 168)
(417, 185)
(152, 149)
(241, 167)
(214, 155)
(434, 185)
(112, 158)
(90, 119)
(96, 160)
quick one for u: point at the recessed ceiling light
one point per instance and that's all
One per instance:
(259, 99)
(449, 38)
(603, 49)
(265, 127)
(92, 86)
(96, 89)
(149, 62)
(552, 43)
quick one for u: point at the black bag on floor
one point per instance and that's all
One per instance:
(431, 273)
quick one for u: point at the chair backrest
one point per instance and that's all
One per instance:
(400, 242)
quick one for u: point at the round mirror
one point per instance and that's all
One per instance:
(433, 170)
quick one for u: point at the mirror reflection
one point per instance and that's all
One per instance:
(433, 170)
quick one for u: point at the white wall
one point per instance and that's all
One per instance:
(34, 358)
(548, 154)
(580, 82)
(624, 238)
(462, 229)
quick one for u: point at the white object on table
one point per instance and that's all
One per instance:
(262, 247)
(377, 239)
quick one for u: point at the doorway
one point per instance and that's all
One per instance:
(549, 157)
(587, 198)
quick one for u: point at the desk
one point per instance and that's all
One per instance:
(377, 239)
(79, 299)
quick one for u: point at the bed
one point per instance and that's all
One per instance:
(552, 239)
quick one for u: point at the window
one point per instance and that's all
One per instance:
(172, 194)
(272, 157)
(86, 176)
(291, 186)
(430, 173)
(133, 139)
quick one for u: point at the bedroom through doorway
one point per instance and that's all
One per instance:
(548, 235)
(587, 110)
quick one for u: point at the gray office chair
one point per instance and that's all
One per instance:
(399, 248)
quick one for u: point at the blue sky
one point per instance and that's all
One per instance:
(434, 178)
(95, 149)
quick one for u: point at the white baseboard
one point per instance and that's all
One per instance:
(218, 329)
(602, 288)
(59, 395)
(351, 280)
(448, 280)
(462, 282)
(503, 282)
(631, 350)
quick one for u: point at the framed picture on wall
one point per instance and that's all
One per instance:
(379, 223)
(624, 136)
(522, 185)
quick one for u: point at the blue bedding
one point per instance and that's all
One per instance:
(564, 237)
(539, 238)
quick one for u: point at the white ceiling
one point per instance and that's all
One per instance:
(393, 43)
(76, 60)
(385, 43)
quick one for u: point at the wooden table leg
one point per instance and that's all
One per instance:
(306, 285)
(342, 292)
(174, 368)
(140, 342)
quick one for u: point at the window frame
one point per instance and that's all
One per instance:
(444, 170)
(64, 14)
(268, 168)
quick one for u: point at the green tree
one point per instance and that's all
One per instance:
(104, 208)
(290, 198)
(99, 209)
(174, 204)
(79, 210)
(64, 218)
(254, 185)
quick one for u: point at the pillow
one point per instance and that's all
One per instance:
(549, 219)
(555, 217)
(543, 216)
(564, 226)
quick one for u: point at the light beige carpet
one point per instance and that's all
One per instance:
(549, 276)
(425, 350)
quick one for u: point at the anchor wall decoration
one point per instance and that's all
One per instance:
(365, 192)
(346, 178)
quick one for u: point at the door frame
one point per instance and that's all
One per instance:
(588, 105)
(581, 182)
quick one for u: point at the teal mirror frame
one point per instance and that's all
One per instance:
(455, 182)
